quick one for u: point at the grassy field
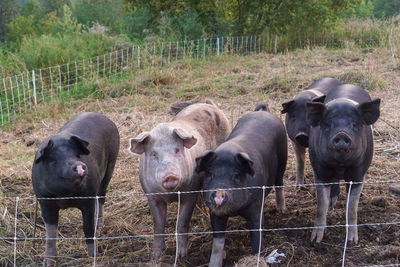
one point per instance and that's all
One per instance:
(237, 85)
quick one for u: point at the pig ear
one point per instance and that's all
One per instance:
(82, 144)
(204, 160)
(319, 99)
(370, 111)
(188, 140)
(44, 150)
(287, 105)
(245, 161)
(137, 143)
(315, 112)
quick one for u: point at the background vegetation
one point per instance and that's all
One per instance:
(41, 33)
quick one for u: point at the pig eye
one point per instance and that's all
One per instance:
(154, 155)
(177, 150)
(236, 176)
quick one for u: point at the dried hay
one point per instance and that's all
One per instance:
(237, 85)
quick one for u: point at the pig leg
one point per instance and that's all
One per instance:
(88, 215)
(300, 153)
(102, 192)
(280, 199)
(218, 223)
(352, 208)
(252, 215)
(50, 218)
(323, 197)
(158, 209)
(186, 209)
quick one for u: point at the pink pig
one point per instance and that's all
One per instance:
(167, 163)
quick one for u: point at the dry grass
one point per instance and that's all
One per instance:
(237, 84)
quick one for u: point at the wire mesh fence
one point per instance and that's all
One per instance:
(19, 93)
(18, 237)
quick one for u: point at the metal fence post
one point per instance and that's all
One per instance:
(34, 86)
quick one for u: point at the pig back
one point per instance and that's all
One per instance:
(325, 85)
(208, 120)
(349, 91)
(263, 137)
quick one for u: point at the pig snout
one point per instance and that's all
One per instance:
(219, 197)
(302, 139)
(341, 142)
(170, 182)
(79, 169)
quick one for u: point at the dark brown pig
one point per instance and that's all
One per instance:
(167, 163)
(296, 122)
(78, 161)
(254, 155)
(341, 148)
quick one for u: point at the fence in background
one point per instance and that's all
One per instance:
(19, 93)
(97, 238)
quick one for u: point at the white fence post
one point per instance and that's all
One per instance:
(68, 78)
(217, 46)
(34, 87)
(5, 91)
(59, 77)
(12, 94)
(41, 81)
(23, 89)
(138, 57)
(15, 230)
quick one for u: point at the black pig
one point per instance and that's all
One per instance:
(254, 154)
(296, 122)
(78, 161)
(341, 147)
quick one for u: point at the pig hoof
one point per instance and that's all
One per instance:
(317, 235)
(299, 182)
(49, 262)
(157, 254)
(281, 208)
(90, 250)
(99, 222)
(353, 236)
(182, 252)
(333, 201)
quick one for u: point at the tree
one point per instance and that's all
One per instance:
(8, 11)
(30, 7)
(364, 9)
(386, 8)
(18, 29)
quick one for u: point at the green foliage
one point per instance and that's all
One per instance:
(105, 12)
(48, 50)
(17, 29)
(68, 24)
(30, 7)
(53, 5)
(138, 25)
(364, 9)
(386, 8)
(187, 26)
(8, 11)
(49, 24)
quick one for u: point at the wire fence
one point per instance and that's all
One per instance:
(15, 238)
(20, 93)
